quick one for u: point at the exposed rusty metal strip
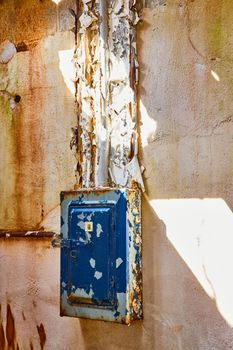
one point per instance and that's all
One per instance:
(26, 234)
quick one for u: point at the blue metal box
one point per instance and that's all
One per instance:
(101, 254)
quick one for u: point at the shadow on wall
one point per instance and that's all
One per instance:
(178, 313)
(187, 229)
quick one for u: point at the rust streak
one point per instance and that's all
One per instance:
(2, 334)
(10, 328)
(42, 335)
(93, 151)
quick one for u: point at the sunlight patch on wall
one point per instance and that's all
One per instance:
(67, 68)
(148, 125)
(215, 75)
(201, 232)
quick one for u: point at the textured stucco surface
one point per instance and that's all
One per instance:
(35, 161)
(186, 90)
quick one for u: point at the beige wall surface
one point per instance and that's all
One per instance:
(186, 106)
(35, 157)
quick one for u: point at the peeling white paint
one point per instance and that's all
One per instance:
(81, 224)
(99, 230)
(98, 275)
(83, 294)
(92, 262)
(89, 217)
(119, 261)
(106, 94)
(81, 216)
(29, 233)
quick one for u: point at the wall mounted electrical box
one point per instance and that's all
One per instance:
(101, 254)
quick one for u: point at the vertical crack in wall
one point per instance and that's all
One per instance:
(106, 137)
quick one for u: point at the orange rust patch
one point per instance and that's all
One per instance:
(10, 328)
(42, 335)
(97, 190)
(27, 27)
(93, 150)
(2, 336)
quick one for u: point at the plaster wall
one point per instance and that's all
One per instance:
(185, 93)
(35, 157)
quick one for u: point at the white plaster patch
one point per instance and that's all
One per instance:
(7, 51)
(119, 261)
(98, 230)
(98, 275)
(92, 262)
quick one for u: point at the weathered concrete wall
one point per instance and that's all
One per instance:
(185, 50)
(35, 162)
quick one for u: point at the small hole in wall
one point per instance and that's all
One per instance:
(17, 98)
(14, 101)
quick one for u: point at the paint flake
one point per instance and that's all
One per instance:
(119, 261)
(98, 275)
(82, 293)
(98, 230)
(81, 216)
(90, 216)
(81, 224)
(106, 94)
(92, 262)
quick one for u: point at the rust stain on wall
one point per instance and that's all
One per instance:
(23, 315)
(10, 328)
(2, 334)
(42, 335)
(27, 27)
(33, 75)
